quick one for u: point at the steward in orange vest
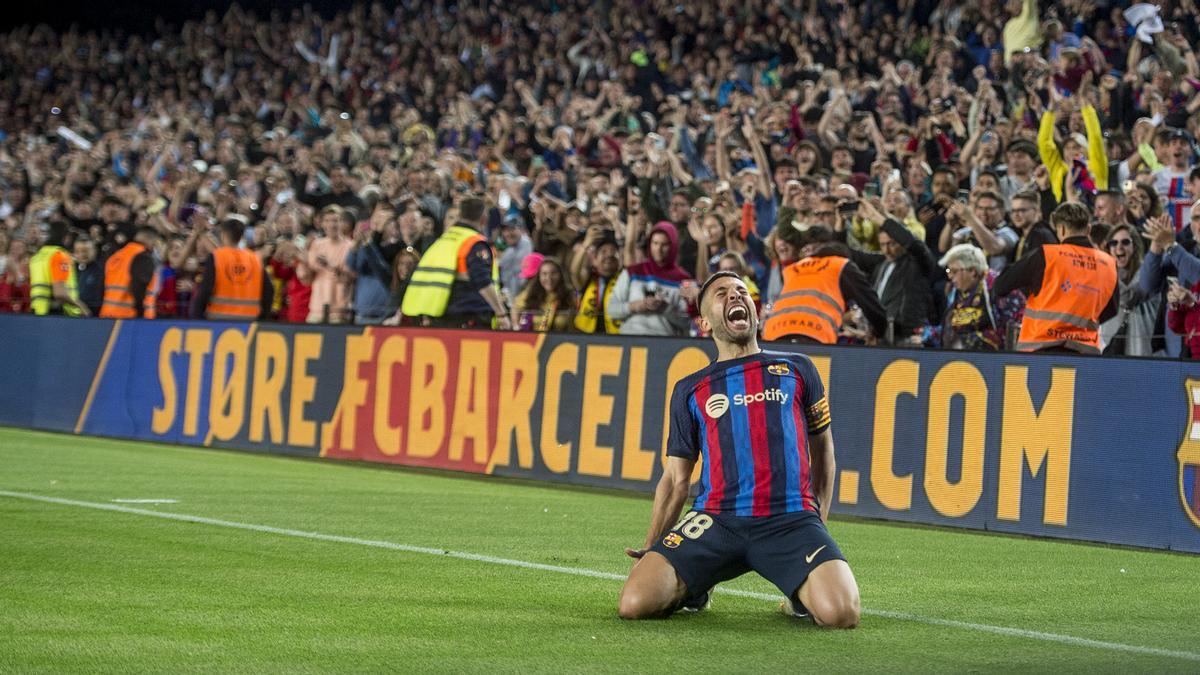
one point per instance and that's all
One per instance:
(234, 286)
(815, 296)
(130, 279)
(1071, 286)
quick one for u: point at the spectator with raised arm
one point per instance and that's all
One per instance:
(983, 225)
(332, 281)
(901, 275)
(1083, 160)
(649, 297)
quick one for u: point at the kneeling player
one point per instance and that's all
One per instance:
(761, 421)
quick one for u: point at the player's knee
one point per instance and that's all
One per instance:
(846, 616)
(635, 605)
(837, 610)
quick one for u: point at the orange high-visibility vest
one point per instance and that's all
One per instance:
(1077, 285)
(237, 285)
(811, 303)
(118, 293)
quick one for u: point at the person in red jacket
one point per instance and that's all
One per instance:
(14, 280)
(1183, 314)
(298, 289)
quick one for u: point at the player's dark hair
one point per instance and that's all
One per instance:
(709, 282)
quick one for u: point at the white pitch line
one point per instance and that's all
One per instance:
(583, 572)
(144, 501)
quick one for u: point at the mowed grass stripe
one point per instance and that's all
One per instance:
(474, 557)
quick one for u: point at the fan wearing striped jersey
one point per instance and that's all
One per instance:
(759, 424)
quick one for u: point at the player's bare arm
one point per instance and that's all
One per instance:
(824, 466)
(653, 589)
(669, 496)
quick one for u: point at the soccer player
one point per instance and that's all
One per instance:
(761, 421)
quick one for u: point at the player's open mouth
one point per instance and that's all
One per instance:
(737, 317)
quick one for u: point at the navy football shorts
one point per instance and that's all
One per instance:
(708, 548)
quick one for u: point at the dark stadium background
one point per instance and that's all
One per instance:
(140, 17)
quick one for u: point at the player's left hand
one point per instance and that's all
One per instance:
(636, 552)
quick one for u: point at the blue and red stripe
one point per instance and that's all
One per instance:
(795, 437)
(735, 383)
(713, 472)
(756, 456)
(759, 442)
(1177, 199)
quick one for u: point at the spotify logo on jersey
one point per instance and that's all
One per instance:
(717, 405)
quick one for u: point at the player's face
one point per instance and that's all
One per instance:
(730, 311)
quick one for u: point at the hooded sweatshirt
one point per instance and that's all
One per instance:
(648, 278)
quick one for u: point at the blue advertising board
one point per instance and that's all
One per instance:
(1093, 449)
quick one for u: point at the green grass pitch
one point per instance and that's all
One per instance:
(85, 589)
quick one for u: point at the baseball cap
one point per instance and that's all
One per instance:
(531, 264)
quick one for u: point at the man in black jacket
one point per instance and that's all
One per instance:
(902, 275)
(1025, 216)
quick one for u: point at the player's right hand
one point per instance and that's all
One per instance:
(636, 552)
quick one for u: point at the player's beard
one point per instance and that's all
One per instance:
(722, 333)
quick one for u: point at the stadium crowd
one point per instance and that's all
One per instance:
(623, 151)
